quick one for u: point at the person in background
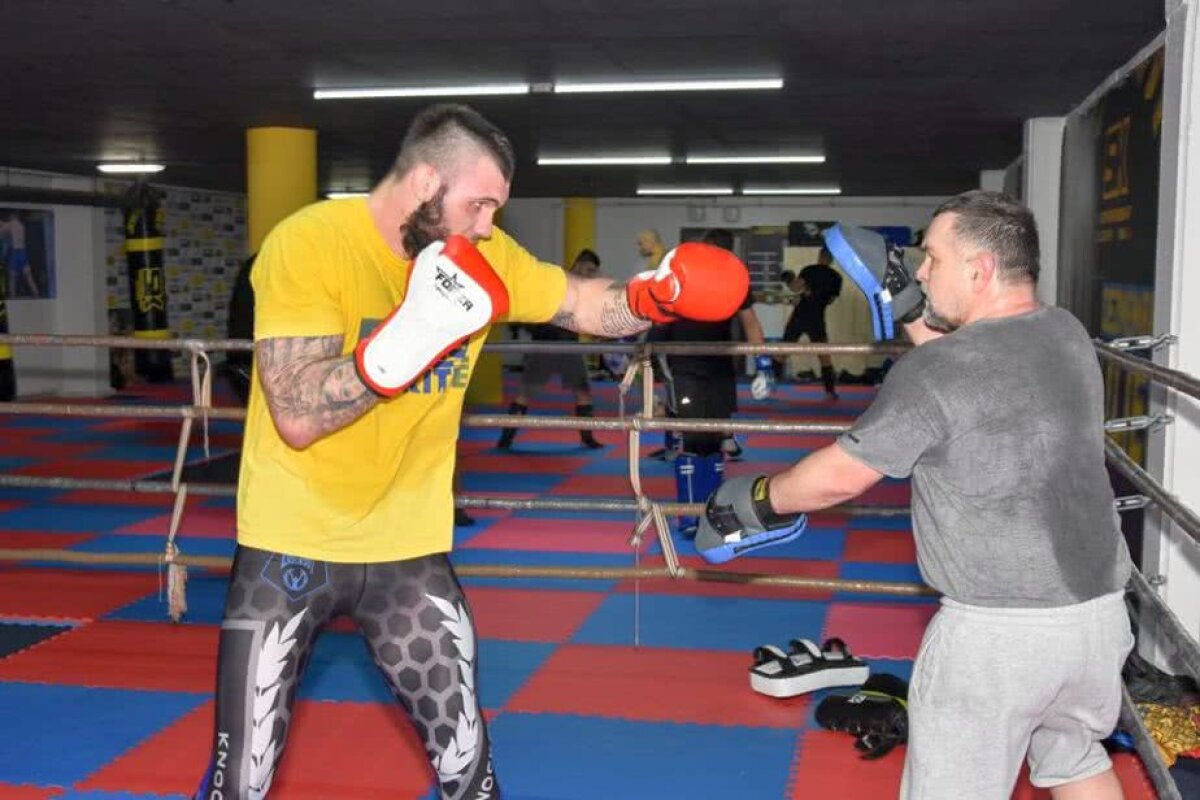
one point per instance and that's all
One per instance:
(571, 368)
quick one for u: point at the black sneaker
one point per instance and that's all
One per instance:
(462, 519)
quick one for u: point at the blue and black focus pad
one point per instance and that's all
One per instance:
(881, 272)
(738, 519)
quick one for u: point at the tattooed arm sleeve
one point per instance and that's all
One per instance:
(311, 389)
(598, 306)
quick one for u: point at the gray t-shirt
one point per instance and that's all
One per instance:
(1001, 426)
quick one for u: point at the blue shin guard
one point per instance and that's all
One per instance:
(696, 477)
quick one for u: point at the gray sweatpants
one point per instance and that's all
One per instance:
(991, 686)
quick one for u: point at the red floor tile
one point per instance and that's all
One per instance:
(723, 588)
(887, 547)
(10, 792)
(654, 685)
(20, 540)
(122, 655)
(94, 468)
(70, 594)
(556, 535)
(530, 615)
(208, 523)
(45, 451)
(97, 497)
(877, 630)
(661, 487)
(495, 464)
(829, 766)
(886, 493)
(325, 757)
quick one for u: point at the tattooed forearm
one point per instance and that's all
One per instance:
(311, 388)
(616, 317)
(599, 307)
(566, 319)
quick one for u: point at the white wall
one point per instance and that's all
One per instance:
(1042, 182)
(1174, 452)
(80, 306)
(537, 223)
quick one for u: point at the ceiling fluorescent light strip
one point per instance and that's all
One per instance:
(128, 168)
(344, 195)
(600, 161)
(782, 190)
(567, 87)
(423, 91)
(796, 159)
(684, 190)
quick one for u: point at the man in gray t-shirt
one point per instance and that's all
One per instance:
(997, 416)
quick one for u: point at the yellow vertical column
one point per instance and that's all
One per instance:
(579, 227)
(281, 177)
(579, 231)
(487, 379)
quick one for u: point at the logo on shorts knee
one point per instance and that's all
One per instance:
(294, 576)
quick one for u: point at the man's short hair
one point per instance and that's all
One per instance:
(438, 135)
(999, 224)
(787, 276)
(719, 237)
(589, 255)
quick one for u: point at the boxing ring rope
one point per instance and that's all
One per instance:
(650, 512)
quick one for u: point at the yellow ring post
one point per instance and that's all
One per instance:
(579, 231)
(281, 177)
(487, 379)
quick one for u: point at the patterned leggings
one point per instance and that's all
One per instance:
(418, 627)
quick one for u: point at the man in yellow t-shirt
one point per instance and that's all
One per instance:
(344, 499)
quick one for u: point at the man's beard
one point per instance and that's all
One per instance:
(935, 320)
(424, 225)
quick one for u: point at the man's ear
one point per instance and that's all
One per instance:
(426, 181)
(983, 269)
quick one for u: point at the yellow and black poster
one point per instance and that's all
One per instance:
(144, 216)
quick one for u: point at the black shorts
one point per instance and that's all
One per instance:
(810, 325)
(703, 397)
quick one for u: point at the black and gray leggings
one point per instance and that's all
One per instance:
(418, 628)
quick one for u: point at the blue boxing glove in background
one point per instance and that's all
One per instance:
(764, 381)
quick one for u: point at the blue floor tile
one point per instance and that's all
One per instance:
(551, 756)
(701, 623)
(126, 718)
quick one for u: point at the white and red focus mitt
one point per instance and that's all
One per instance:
(453, 292)
(693, 281)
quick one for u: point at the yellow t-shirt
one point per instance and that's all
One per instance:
(380, 488)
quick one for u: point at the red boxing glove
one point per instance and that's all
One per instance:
(693, 281)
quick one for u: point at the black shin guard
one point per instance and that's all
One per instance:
(827, 379)
(508, 434)
(585, 436)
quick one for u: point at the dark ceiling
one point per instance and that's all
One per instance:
(905, 97)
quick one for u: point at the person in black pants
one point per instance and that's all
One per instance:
(817, 286)
(705, 387)
(571, 368)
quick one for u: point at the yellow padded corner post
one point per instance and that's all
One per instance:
(281, 177)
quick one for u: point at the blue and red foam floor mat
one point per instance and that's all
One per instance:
(596, 689)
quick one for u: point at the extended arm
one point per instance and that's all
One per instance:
(827, 477)
(598, 306)
(693, 281)
(312, 390)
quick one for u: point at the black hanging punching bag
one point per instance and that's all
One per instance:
(147, 280)
(8, 375)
